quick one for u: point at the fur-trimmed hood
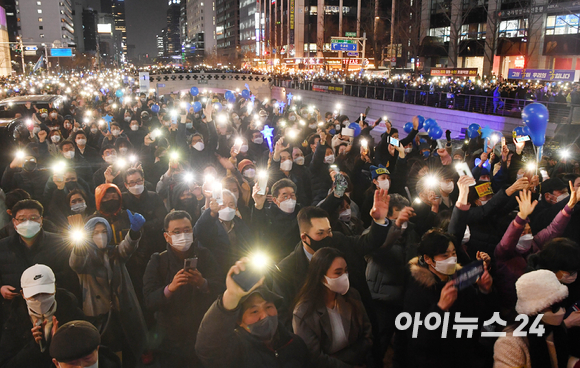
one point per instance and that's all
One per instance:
(423, 275)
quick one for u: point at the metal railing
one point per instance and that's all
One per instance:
(560, 113)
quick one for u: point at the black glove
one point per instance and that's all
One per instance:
(448, 135)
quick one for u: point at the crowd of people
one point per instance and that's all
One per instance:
(213, 230)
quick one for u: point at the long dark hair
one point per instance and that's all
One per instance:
(313, 290)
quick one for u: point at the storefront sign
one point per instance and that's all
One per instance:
(454, 72)
(335, 89)
(542, 74)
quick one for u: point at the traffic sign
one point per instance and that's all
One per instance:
(349, 34)
(30, 48)
(343, 46)
(353, 54)
(340, 40)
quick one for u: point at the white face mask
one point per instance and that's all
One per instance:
(483, 202)
(525, 243)
(561, 197)
(250, 173)
(134, 127)
(94, 130)
(78, 207)
(292, 118)
(446, 267)
(101, 240)
(384, 184)
(338, 285)
(115, 132)
(312, 126)
(28, 229)
(408, 150)
(259, 140)
(227, 214)
(199, 146)
(519, 176)
(55, 138)
(69, 155)
(81, 142)
(288, 205)
(244, 148)
(286, 165)
(41, 303)
(111, 159)
(466, 235)
(568, 279)
(299, 160)
(137, 189)
(345, 215)
(446, 187)
(123, 150)
(182, 242)
(329, 159)
(554, 319)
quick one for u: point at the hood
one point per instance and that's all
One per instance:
(422, 274)
(90, 227)
(175, 193)
(121, 140)
(100, 193)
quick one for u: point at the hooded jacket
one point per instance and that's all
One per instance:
(106, 283)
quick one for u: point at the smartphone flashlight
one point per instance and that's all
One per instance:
(262, 181)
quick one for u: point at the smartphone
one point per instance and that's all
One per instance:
(576, 307)
(502, 141)
(441, 143)
(217, 193)
(523, 138)
(248, 278)
(367, 110)
(262, 183)
(394, 141)
(463, 169)
(190, 264)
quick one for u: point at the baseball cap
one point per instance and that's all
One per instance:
(265, 293)
(37, 279)
(74, 340)
(552, 184)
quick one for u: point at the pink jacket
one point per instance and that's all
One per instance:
(511, 263)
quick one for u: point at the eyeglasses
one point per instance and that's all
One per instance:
(133, 183)
(31, 218)
(188, 230)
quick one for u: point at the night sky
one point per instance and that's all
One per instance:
(145, 19)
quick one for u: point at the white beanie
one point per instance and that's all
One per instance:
(537, 291)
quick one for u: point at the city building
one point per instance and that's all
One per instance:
(5, 64)
(161, 43)
(46, 21)
(173, 31)
(201, 25)
(89, 30)
(249, 33)
(116, 8)
(227, 30)
(109, 40)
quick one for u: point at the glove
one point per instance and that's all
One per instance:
(137, 220)
(448, 135)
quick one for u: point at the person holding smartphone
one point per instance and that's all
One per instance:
(179, 285)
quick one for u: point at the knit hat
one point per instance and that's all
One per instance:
(74, 340)
(380, 170)
(244, 163)
(537, 290)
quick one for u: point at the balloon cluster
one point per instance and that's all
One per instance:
(473, 131)
(520, 131)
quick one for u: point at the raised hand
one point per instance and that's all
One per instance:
(525, 203)
(380, 206)
(574, 195)
(234, 292)
(259, 199)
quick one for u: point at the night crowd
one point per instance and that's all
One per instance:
(223, 231)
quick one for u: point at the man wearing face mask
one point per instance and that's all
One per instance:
(283, 167)
(136, 134)
(316, 233)
(247, 324)
(81, 165)
(257, 148)
(518, 243)
(35, 315)
(222, 232)
(109, 156)
(23, 173)
(138, 199)
(554, 197)
(30, 244)
(83, 150)
(277, 225)
(180, 296)
(320, 178)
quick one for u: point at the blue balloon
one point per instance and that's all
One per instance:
(519, 131)
(197, 106)
(119, 93)
(428, 124)
(228, 95)
(536, 116)
(356, 128)
(155, 108)
(218, 106)
(526, 130)
(472, 134)
(245, 94)
(232, 99)
(435, 131)
(421, 121)
(194, 91)
(187, 106)
(408, 127)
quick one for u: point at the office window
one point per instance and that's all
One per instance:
(39, 3)
(39, 11)
(40, 20)
(40, 27)
(562, 24)
(42, 35)
(513, 28)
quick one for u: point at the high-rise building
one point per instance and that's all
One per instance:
(46, 21)
(173, 31)
(109, 40)
(249, 29)
(227, 29)
(161, 43)
(201, 25)
(89, 30)
(117, 9)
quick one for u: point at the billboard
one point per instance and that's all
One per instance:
(104, 28)
(61, 52)
(5, 64)
(542, 74)
(453, 72)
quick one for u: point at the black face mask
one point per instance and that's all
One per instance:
(110, 206)
(70, 185)
(29, 166)
(317, 244)
(265, 329)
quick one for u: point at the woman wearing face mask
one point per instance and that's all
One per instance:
(431, 289)
(222, 232)
(67, 126)
(329, 316)
(538, 292)
(242, 196)
(108, 294)
(94, 135)
(381, 180)
(518, 243)
(341, 216)
(54, 138)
